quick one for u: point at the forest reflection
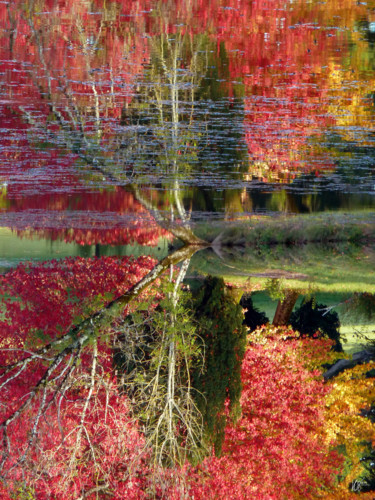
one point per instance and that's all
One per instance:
(141, 100)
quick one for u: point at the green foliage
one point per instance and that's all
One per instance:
(365, 482)
(154, 356)
(276, 289)
(361, 307)
(253, 317)
(311, 318)
(208, 342)
(223, 338)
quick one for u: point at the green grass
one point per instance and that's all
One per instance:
(351, 327)
(334, 251)
(330, 270)
(352, 335)
(15, 249)
(343, 267)
(293, 229)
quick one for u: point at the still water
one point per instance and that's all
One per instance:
(116, 115)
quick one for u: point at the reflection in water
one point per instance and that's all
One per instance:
(17, 247)
(237, 99)
(125, 123)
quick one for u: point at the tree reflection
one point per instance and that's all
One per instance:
(128, 114)
(117, 86)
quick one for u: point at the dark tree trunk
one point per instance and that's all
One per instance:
(285, 307)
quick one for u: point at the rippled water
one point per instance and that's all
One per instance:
(116, 114)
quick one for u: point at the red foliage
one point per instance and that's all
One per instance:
(107, 218)
(48, 297)
(69, 76)
(277, 53)
(278, 448)
(273, 49)
(84, 435)
(59, 467)
(41, 303)
(87, 438)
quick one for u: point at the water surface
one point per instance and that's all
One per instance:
(117, 114)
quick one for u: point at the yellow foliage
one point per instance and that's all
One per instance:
(350, 393)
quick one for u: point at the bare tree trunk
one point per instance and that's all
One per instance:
(285, 307)
(111, 310)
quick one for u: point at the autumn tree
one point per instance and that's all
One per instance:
(154, 357)
(64, 421)
(279, 440)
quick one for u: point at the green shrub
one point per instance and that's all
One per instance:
(223, 338)
(311, 318)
